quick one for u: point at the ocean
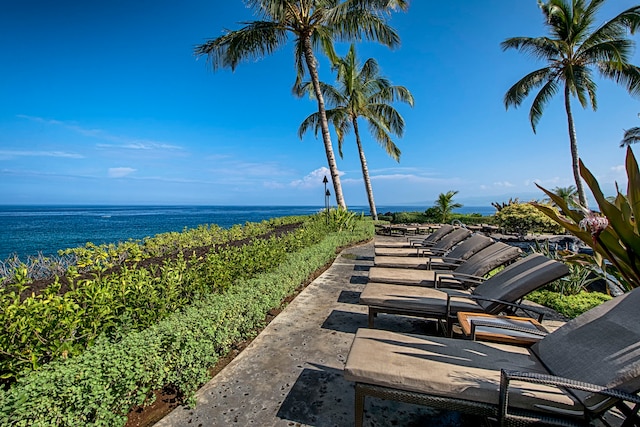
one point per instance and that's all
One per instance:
(29, 230)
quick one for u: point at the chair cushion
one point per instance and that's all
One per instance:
(601, 346)
(400, 262)
(401, 276)
(452, 368)
(416, 299)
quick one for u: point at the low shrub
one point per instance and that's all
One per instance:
(523, 218)
(568, 305)
(101, 385)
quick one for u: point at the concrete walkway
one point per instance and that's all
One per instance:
(292, 373)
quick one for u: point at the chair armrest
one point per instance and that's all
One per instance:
(445, 262)
(506, 326)
(516, 305)
(463, 280)
(433, 251)
(506, 376)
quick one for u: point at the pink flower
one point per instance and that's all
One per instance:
(594, 223)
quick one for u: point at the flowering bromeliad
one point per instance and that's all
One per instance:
(593, 223)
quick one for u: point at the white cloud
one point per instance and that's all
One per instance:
(314, 179)
(121, 141)
(503, 184)
(120, 172)
(618, 168)
(13, 153)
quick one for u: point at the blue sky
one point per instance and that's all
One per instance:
(103, 102)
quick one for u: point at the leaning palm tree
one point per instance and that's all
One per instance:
(361, 92)
(572, 51)
(313, 24)
(444, 205)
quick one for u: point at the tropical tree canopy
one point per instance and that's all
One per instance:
(313, 24)
(360, 92)
(444, 204)
(574, 49)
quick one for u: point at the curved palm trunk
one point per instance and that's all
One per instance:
(365, 172)
(574, 148)
(324, 124)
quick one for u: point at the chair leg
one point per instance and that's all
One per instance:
(372, 315)
(359, 408)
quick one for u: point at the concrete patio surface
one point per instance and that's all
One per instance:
(292, 373)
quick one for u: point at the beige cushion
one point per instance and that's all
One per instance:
(400, 262)
(401, 276)
(451, 368)
(415, 299)
(398, 251)
(602, 346)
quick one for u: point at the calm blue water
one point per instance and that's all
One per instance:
(29, 230)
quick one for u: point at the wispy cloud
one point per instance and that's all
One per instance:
(313, 179)
(36, 153)
(120, 172)
(120, 142)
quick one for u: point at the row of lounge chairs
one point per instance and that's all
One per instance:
(570, 377)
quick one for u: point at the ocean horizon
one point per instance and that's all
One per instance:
(29, 230)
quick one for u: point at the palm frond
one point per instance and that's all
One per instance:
(311, 122)
(626, 75)
(540, 101)
(254, 41)
(631, 136)
(539, 47)
(520, 90)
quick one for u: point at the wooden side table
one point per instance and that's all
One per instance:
(506, 329)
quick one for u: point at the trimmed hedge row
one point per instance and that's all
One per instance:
(99, 387)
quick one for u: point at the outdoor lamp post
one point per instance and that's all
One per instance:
(327, 194)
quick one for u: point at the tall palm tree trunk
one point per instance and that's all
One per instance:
(324, 124)
(365, 172)
(574, 148)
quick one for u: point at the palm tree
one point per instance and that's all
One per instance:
(313, 24)
(631, 136)
(444, 204)
(568, 194)
(572, 51)
(361, 92)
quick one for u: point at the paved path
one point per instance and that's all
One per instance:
(292, 373)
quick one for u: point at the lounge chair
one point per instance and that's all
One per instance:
(571, 377)
(441, 246)
(459, 253)
(473, 268)
(493, 296)
(429, 240)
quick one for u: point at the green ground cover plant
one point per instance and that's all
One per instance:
(569, 306)
(100, 385)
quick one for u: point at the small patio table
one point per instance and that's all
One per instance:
(506, 329)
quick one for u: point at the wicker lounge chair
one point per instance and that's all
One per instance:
(441, 246)
(473, 268)
(493, 296)
(429, 240)
(571, 377)
(459, 253)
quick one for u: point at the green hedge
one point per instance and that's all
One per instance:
(569, 306)
(100, 386)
